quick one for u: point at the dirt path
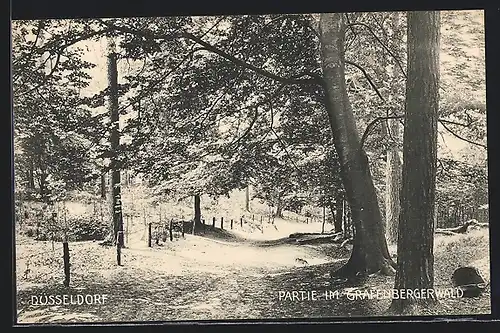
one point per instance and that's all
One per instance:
(191, 279)
(199, 278)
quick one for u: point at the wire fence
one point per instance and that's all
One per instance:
(144, 226)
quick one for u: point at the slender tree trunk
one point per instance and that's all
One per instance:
(115, 143)
(370, 252)
(31, 176)
(247, 198)
(44, 193)
(103, 186)
(197, 211)
(435, 217)
(415, 266)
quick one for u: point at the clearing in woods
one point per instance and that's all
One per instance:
(217, 276)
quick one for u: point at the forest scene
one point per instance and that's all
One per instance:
(262, 167)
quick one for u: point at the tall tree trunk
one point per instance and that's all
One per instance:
(31, 175)
(279, 209)
(370, 253)
(247, 198)
(115, 143)
(43, 187)
(393, 165)
(415, 264)
(197, 211)
(103, 186)
(345, 219)
(339, 214)
(393, 184)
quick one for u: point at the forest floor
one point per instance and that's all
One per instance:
(220, 276)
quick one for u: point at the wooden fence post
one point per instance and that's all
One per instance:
(170, 229)
(149, 234)
(127, 217)
(66, 264)
(183, 227)
(241, 222)
(231, 224)
(222, 223)
(119, 242)
(324, 220)
(157, 236)
(213, 222)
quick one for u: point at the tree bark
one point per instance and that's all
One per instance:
(415, 264)
(339, 214)
(197, 211)
(370, 253)
(247, 198)
(31, 177)
(115, 143)
(279, 209)
(103, 186)
(393, 165)
(393, 185)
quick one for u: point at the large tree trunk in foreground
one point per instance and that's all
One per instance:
(115, 143)
(370, 253)
(339, 214)
(393, 184)
(415, 267)
(393, 165)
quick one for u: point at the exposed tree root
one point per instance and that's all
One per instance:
(357, 267)
(412, 307)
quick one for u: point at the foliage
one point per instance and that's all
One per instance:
(53, 124)
(205, 111)
(43, 223)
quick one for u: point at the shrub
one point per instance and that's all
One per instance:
(84, 228)
(78, 228)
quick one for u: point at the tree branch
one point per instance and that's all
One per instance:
(45, 79)
(353, 31)
(294, 79)
(457, 123)
(160, 79)
(212, 27)
(372, 124)
(286, 151)
(65, 45)
(380, 42)
(367, 77)
(271, 123)
(267, 100)
(462, 138)
(249, 128)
